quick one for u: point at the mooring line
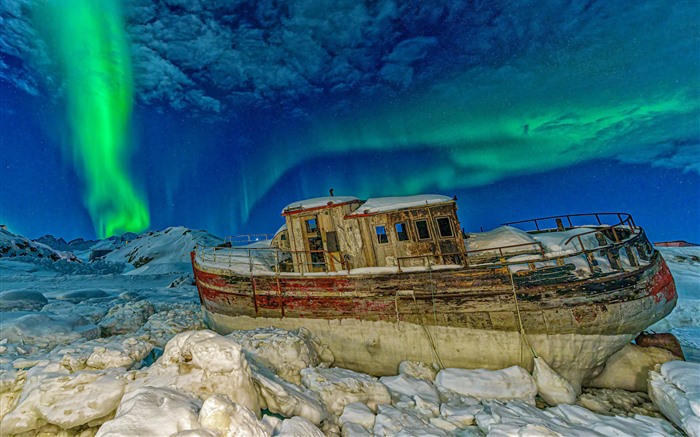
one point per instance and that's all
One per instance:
(520, 319)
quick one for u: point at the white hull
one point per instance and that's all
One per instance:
(377, 347)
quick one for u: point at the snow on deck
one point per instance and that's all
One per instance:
(382, 204)
(318, 202)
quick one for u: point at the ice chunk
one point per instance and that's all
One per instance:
(298, 426)
(202, 363)
(391, 421)
(22, 300)
(101, 353)
(46, 329)
(629, 368)
(519, 418)
(285, 398)
(513, 383)
(422, 392)
(52, 395)
(230, 419)
(461, 416)
(551, 386)
(667, 390)
(163, 325)
(127, 317)
(151, 411)
(339, 387)
(357, 413)
(417, 369)
(77, 296)
(285, 352)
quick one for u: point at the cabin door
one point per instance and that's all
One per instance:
(315, 256)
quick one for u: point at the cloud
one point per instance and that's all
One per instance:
(218, 56)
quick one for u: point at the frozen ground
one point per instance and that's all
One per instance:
(112, 348)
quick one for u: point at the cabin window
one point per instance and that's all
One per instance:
(422, 229)
(444, 226)
(332, 241)
(382, 238)
(401, 232)
(283, 237)
(311, 226)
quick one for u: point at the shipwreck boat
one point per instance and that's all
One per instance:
(392, 279)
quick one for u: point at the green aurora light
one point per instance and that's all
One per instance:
(88, 40)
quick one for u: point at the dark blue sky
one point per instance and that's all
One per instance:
(520, 109)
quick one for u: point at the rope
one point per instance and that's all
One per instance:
(520, 320)
(429, 336)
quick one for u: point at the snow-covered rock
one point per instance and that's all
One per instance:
(519, 418)
(551, 386)
(629, 368)
(22, 300)
(15, 245)
(153, 412)
(512, 383)
(285, 352)
(163, 251)
(675, 389)
(228, 419)
(202, 364)
(339, 387)
(45, 329)
(101, 353)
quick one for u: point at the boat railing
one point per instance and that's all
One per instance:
(428, 257)
(271, 258)
(244, 239)
(622, 217)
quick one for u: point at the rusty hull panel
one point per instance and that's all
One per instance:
(551, 301)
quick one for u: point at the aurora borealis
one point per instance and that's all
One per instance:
(520, 108)
(91, 50)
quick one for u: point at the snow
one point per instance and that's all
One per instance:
(339, 387)
(520, 418)
(318, 202)
(284, 352)
(512, 383)
(45, 329)
(24, 300)
(629, 368)
(163, 251)
(675, 389)
(150, 411)
(500, 237)
(14, 245)
(201, 364)
(383, 204)
(551, 386)
(226, 418)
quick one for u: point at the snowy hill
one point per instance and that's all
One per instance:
(14, 245)
(164, 251)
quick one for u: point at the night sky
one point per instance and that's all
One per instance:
(127, 116)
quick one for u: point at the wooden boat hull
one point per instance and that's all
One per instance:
(463, 317)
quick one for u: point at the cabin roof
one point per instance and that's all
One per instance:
(317, 202)
(378, 205)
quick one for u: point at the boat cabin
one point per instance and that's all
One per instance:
(342, 232)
